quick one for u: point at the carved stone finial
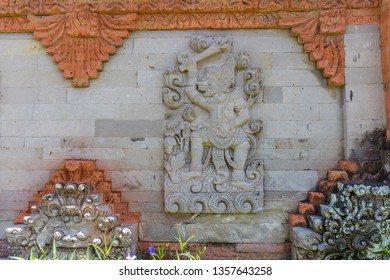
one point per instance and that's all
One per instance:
(73, 217)
(208, 161)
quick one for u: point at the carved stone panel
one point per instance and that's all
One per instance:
(74, 218)
(210, 136)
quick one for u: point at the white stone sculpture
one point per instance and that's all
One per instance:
(208, 161)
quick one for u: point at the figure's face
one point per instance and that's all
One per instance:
(206, 87)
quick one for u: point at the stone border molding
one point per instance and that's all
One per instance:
(82, 34)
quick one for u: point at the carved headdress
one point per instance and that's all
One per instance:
(222, 75)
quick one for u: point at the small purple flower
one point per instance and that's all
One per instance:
(151, 250)
(131, 257)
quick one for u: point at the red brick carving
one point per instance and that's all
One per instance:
(83, 171)
(82, 34)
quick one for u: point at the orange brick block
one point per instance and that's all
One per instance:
(316, 198)
(297, 220)
(349, 166)
(337, 176)
(306, 208)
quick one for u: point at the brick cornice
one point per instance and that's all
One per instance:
(82, 34)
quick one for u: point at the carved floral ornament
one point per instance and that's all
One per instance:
(82, 34)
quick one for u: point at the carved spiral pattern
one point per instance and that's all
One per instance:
(356, 223)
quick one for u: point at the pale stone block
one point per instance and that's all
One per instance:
(362, 41)
(368, 75)
(29, 164)
(160, 45)
(146, 207)
(363, 58)
(131, 163)
(104, 142)
(322, 129)
(23, 180)
(210, 233)
(114, 95)
(18, 62)
(267, 216)
(331, 111)
(142, 61)
(13, 205)
(21, 46)
(364, 93)
(277, 180)
(15, 196)
(89, 153)
(115, 79)
(142, 196)
(12, 142)
(16, 36)
(45, 63)
(76, 111)
(281, 154)
(362, 28)
(32, 95)
(129, 128)
(327, 155)
(136, 180)
(364, 110)
(293, 78)
(138, 111)
(315, 164)
(134, 159)
(285, 61)
(285, 112)
(312, 95)
(283, 44)
(272, 94)
(303, 143)
(30, 128)
(20, 153)
(283, 200)
(150, 79)
(16, 111)
(37, 142)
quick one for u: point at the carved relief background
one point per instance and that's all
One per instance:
(210, 136)
(81, 35)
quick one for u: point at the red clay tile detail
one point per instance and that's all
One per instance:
(81, 35)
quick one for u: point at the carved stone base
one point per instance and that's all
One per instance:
(206, 195)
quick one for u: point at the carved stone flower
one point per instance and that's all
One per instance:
(174, 124)
(189, 114)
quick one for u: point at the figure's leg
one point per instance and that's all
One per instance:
(196, 153)
(239, 157)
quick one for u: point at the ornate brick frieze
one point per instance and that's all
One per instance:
(82, 34)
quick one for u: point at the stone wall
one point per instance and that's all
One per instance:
(119, 121)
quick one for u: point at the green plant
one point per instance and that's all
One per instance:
(183, 253)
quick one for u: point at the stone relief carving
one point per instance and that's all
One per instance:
(210, 137)
(73, 217)
(355, 225)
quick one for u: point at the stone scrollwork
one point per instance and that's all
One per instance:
(73, 218)
(355, 225)
(210, 136)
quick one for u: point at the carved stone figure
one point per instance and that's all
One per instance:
(207, 157)
(355, 225)
(73, 218)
